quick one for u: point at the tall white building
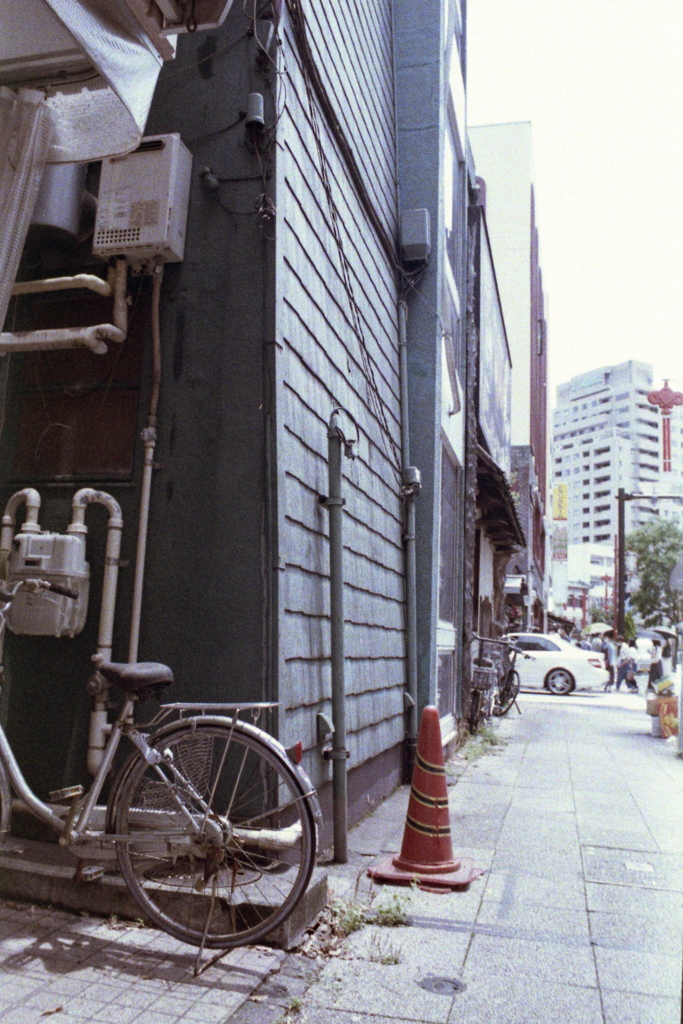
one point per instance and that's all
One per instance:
(606, 435)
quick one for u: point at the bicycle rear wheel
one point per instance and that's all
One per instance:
(508, 692)
(220, 835)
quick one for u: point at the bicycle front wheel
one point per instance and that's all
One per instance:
(218, 838)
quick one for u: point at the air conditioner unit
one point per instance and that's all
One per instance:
(97, 62)
(142, 202)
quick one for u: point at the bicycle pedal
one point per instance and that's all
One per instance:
(92, 873)
(65, 796)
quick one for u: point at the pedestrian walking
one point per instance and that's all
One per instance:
(610, 652)
(655, 672)
(627, 665)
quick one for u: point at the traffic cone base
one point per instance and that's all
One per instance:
(427, 852)
(387, 871)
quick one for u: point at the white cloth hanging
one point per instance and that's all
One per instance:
(26, 135)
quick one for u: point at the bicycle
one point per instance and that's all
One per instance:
(508, 687)
(213, 824)
(493, 694)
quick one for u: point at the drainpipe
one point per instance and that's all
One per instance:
(338, 752)
(149, 438)
(409, 490)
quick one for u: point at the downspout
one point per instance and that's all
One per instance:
(149, 437)
(410, 488)
(338, 752)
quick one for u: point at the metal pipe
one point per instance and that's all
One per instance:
(149, 436)
(31, 498)
(338, 754)
(99, 727)
(410, 489)
(88, 496)
(94, 337)
(62, 284)
(120, 276)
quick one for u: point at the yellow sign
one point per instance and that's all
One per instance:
(560, 501)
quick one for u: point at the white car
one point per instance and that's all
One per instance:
(556, 665)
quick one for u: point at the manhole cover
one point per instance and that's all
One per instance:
(441, 986)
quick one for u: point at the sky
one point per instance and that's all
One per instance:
(602, 83)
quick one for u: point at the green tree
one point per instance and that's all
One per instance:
(629, 627)
(657, 547)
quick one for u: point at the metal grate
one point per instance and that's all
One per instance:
(442, 986)
(117, 236)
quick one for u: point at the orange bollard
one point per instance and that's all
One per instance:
(426, 855)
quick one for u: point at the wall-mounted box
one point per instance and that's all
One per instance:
(142, 202)
(415, 235)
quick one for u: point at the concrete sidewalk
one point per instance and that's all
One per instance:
(577, 819)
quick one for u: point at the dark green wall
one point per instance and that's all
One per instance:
(204, 601)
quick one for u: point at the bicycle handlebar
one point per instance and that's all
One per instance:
(503, 643)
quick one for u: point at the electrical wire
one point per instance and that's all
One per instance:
(374, 396)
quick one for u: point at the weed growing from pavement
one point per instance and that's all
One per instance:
(391, 911)
(294, 1008)
(381, 950)
(481, 743)
(347, 916)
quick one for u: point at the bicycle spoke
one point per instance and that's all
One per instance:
(192, 865)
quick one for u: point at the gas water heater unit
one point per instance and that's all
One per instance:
(57, 558)
(142, 202)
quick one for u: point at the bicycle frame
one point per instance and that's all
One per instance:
(44, 811)
(74, 830)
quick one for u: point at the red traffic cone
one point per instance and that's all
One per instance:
(427, 852)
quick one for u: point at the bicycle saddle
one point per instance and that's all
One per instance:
(137, 678)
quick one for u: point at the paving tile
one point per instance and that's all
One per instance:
(631, 1008)
(386, 991)
(518, 1001)
(533, 923)
(569, 961)
(315, 1015)
(436, 946)
(646, 973)
(637, 933)
(617, 838)
(633, 867)
(206, 1013)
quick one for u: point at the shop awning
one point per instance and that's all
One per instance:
(496, 505)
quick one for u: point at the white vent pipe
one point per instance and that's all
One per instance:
(99, 727)
(31, 499)
(95, 337)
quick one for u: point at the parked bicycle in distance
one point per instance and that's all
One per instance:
(495, 681)
(213, 824)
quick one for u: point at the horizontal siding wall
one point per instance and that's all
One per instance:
(321, 367)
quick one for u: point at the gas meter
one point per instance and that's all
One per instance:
(57, 558)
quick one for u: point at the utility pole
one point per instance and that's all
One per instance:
(621, 560)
